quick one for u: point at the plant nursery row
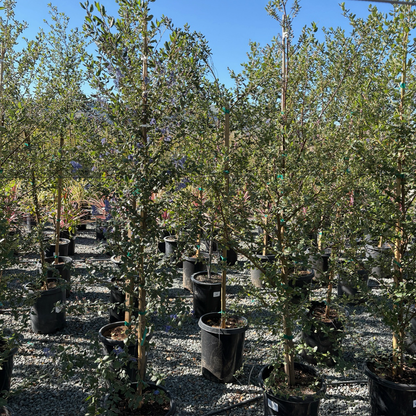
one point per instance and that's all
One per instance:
(170, 245)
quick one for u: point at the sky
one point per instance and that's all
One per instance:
(228, 25)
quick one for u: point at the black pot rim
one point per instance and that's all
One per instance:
(221, 331)
(387, 383)
(121, 323)
(50, 292)
(113, 260)
(295, 399)
(170, 239)
(194, 280)
(202, 256)
(266, 257)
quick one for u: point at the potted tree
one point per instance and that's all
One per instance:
(138, 84)
(290, 173)
(387, 162)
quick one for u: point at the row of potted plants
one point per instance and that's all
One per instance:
(291, 155)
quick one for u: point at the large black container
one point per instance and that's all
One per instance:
(307, 405)
(62, 269)
(350, 286)
(411, 338)
(118, 298)
(257, 276)
(171, 250)
(72, 238)
(45, 317)
(302, 285)
(63, 248)
(113, 347)
(221, 348)
(191, 265)
(206, 294)
(6, 370)
(388, 398)
(325, 336)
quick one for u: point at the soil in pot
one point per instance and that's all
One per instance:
(206, 293)
(113, 337)
(156, 402)
(322, 333)
(390, 395)
(302, 399)
(222, 348)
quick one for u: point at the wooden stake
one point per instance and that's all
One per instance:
(227, 187)
(59, 202)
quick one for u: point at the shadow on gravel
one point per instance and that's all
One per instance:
(49, 400)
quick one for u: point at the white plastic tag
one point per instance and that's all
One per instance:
(414, 403)
(273, 405)
(216, 294)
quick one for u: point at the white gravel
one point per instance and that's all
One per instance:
(38, 388)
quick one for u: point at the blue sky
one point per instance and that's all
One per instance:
(228, 25)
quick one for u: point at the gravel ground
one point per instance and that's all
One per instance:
(38, 389)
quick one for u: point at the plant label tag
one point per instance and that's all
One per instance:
(273, 405)
(216, 294)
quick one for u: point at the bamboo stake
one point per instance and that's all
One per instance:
(198, 239)
(400, 193)
(59, 202)
(227, 187)
(141, 331)
(288, 336)
(2, 55)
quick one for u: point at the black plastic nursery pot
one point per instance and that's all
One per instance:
(323, 335)
(257, 276)
(410, 340)
(221, 348)
(114, 347)
(115, 397)
(45, 316)
(305, 405)
(118, 299)
(382, 258)
(63, 248)
(171, 250)
(350, 287)
(231, 257)
(302, 283)
(6, 368)
(192, 265)
(388, 398)
(206, 293)
(100, 233)
(62, 269)
(72, 238)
